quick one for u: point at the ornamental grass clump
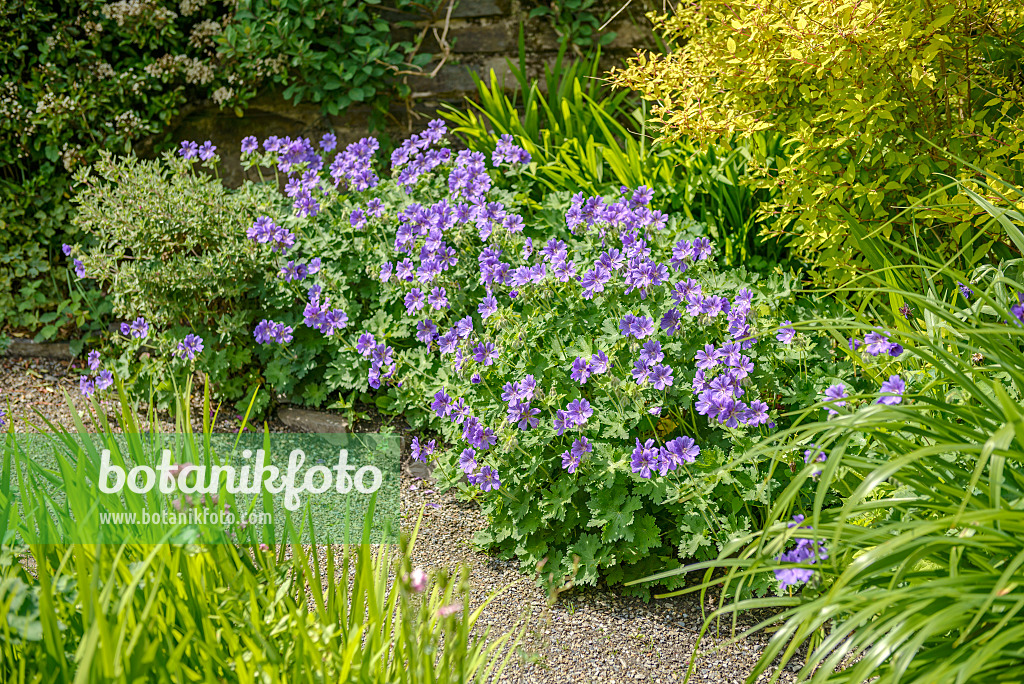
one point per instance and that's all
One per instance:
(226, 612)
(915, 576)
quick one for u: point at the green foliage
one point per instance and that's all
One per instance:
(924, 555)
(583, 137)
(575, 21)
(89, 76)
(165, 260)
(82, 77)
(857, 88)
(334, 53)
(188, 612)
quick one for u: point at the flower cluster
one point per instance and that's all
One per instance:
(648, 458)
(320, 316)
(353, 165)
(293, 155)
(190, 150)
(807, 552)
(414, 158)
(293, 271)
(382, 359)
(137, 329)
(420, 452)
(265, 232)
(268, 331)
(507, 152)
(101, 381)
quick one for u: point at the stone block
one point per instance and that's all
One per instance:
(42, 350)
(306, 420)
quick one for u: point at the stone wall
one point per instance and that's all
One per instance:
(482, 36)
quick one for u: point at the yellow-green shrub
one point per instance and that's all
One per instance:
(858, 88)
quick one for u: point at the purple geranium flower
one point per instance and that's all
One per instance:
(190, 346)
(785, 335)
(580, 370)
(599, 363)
(645, 458)
(104, 380)
(892, 391)
(485, 353)
(836, 393)
(488, 479)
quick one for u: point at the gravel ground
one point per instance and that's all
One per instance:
(591, 635)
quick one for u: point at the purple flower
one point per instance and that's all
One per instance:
(636, 326)
(892, 391)
(578, 411)
(485, 353)
(599, 363)
(707, 358)
(66, 248)
(87, 386)
(207, 151)
(806, 553)
(268, 331)
(328, 142)
(641, 372)
(815, 455)
(906, 311)
(420, 452)
(138, 329)
(249, 144)
(442, 404)
(670, 322)
(426, 331)
(876, 343)
(520, 412)
(79, 268)
(580, 371)
(104, 380)
(681, 450)
(438, 298)
(94, 360)
(836, 393)
(467, 460)
(571, 458)
(365, 344)
(964, 290)
(651, 352)
(488, 307)
(488, 479)
(476, 379)
(661, 376)
(188, 149)
(1018, 309)
(756, 413)
(645, 458)
(785, 335)
(190, 346)
(413, 300)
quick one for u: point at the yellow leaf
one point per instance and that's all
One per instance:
(796, 54)
(731, 45)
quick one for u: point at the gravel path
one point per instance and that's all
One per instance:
(587, 636)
